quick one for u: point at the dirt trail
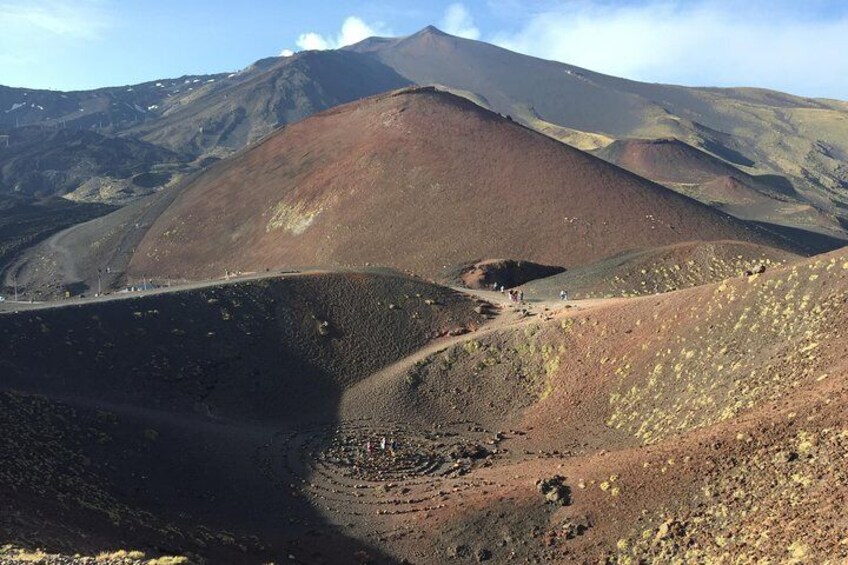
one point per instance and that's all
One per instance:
(76, 254)
(510, 315)
(12, 306)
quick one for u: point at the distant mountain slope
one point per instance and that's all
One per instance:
(169, 120)
(110, 109)
(42, 163)
(764, 132)
(707, 178)
(198, 114)
(796, 141)
(227, 116)
(417, 179)
(669, 161)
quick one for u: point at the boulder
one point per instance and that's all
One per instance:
(555, 490)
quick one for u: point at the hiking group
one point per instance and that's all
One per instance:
(516, 296)
(384, 445)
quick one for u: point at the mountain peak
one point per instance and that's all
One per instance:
(431, 30)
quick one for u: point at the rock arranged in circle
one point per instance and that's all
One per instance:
(362, 468)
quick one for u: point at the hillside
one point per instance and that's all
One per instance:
(147, 423)
(688, 426)
(42, 163)
(662, 269)
(97, 138)
(200, 114)
(24, 223)
(232, 423)
(667, 161)
(112, 109)
(798, 144)
(88, 255)
(416, 180)
(763, 132)
(691, 171)
(226, 117)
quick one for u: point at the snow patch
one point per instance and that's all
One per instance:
(576, 74)
(16, 105)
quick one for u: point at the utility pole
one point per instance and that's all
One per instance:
(99, 282)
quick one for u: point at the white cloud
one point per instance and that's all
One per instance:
(708, 42)
(312, 41)
(458, 21)
(286, 53)
(58, 18)
(353, 30)
(35, 34)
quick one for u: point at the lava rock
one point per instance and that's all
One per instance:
(575, 527)
(555, 490)
(483, 554)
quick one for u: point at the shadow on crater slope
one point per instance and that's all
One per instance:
(159, 423)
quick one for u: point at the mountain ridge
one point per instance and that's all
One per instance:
(390, 160)
(766, 132)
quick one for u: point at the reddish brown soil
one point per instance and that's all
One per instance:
(708, 179)
(416, 180)
(667, 161)
(703, 425)
(699, 425)
(664, 269)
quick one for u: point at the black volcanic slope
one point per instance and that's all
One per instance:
(42, 163)
(148, 423)
(239, 110)
(24, 222)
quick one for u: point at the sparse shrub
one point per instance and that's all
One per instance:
(120, 554)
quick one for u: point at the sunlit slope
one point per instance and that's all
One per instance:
(417, 180)
(802, 139)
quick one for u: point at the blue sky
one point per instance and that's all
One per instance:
(799, 47)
